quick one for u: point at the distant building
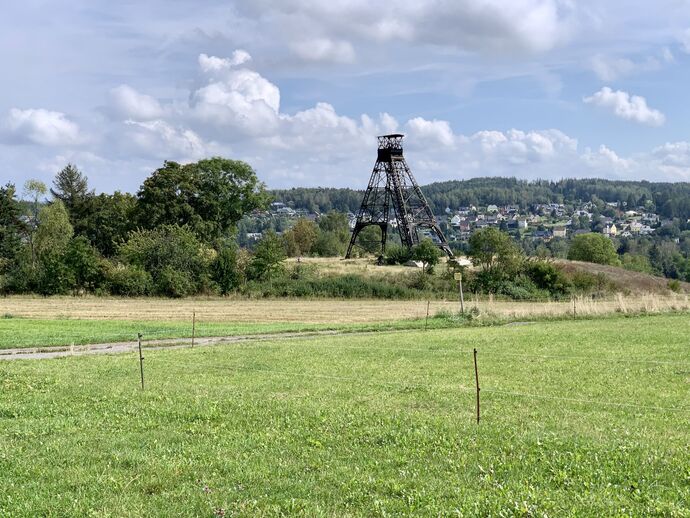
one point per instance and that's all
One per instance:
(610, 230)
(543, 235)
(636, 227)
(559, 232)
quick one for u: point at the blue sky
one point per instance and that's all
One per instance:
(300, 88)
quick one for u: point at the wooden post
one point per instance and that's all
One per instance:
(193, 326)
(574, 312)
(458, 277)
(476, 378)
(141, 361)
(426, 322)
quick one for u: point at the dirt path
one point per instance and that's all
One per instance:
(42, 353)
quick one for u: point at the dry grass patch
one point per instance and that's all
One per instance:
(220, 309)
(323, 311)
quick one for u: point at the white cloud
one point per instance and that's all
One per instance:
(685, 41)
(240, 109)
(486, 26)
(626, 106)
(324, 49)
(519, 147)
(127, 103)
(606, 160)
(672, 160)
(42, 127)
(86, 160)
(210, 64)
(162, 140)
(436, 132)
(240, 100)
(609, 68)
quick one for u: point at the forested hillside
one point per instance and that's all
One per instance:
(670, 200)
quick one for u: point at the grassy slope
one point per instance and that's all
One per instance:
(624, 280)
(359, 425)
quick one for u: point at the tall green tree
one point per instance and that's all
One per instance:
(109, 220)
(209, 196)
(11, 225)
(593, 248)
(53, 235)
(494, 251)
(428, 253)
(226, 270)
(83, 261)
(71, 187)
(333, 235)
(34, 190)
(300, 239)
(54, 230)
(268, 257)
(11, 228)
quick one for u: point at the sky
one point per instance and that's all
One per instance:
(299, 89)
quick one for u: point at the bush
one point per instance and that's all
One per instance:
(637, 263)
(547, 276)
(226, 270)
(174, 258)
(396, 254)
(674, 285)
(128, 281)
(175, 283)
(584, 282)
(522, 288)
(593, 248)
(54, 276)
(83, 260)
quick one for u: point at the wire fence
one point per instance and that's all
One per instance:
(426, 384)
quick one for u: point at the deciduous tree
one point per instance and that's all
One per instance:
(593, 248)
(428, 253)
(268, 257)
(209, 196)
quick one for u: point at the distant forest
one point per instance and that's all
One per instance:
(670, 200)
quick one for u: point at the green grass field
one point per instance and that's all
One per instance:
(581, 418)
(26, 332)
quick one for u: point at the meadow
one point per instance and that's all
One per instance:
(578, 418)
(35, 322)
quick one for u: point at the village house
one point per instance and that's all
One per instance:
(559, 232)
(610, 230)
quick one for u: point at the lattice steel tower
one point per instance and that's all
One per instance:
(392, 187)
